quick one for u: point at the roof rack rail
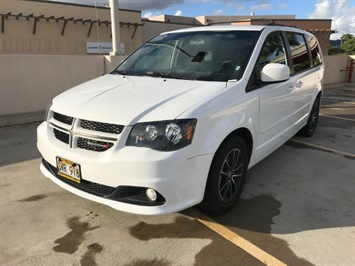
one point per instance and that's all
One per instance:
(211, 23)
(276, 24)
(271, 22)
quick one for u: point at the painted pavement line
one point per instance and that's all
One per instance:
(237, 240)
(338, 100)
(323, 148)
(338, 117)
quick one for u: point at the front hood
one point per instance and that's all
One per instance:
(127, 100)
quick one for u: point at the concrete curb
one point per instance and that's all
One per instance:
(23, 118)
(340, 87)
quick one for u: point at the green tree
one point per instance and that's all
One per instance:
(348, 45)
(334, 50)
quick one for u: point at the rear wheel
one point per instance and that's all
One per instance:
(309, 129)
(226, 177)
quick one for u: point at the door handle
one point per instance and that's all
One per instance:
(299, 84)
(291, 88)
(294, 86)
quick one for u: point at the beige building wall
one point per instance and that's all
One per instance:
(62, 28)
(158, 24)
(29, 82)
(336, 69)
(175, 19)
(71, 26)
(153, 28)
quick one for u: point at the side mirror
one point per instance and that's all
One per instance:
(274, 72)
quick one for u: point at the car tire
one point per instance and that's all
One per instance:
(309, 129)
(226, 177)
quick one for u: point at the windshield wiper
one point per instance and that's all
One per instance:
(165, 75)
(120, 72)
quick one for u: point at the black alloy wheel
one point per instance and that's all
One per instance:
(226, 177)
(309, 129)
(230, 175)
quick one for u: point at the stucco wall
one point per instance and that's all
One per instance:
(29, 82)
(67, 32)
(336, 69)
(153, 28)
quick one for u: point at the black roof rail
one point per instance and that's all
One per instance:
(221, 22)
(276, 24)
(271, 22)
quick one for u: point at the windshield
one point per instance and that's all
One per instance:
(205, 55)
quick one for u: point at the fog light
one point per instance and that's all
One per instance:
(151, 194)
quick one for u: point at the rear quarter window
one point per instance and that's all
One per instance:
(315, 50)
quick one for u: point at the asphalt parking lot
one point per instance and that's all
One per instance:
(296, 209)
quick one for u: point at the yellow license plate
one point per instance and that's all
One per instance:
(69, 169)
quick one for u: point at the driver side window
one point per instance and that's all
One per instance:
(273, 51)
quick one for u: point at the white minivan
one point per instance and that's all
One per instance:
(179, 121)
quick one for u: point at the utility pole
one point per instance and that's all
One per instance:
(115, 27)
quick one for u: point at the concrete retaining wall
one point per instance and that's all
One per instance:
(29, 82)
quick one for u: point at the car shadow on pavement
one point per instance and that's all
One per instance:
(220, 251)
(18, 144)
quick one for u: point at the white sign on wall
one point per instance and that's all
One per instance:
(98, 47)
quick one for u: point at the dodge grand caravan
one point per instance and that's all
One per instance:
(179, 121)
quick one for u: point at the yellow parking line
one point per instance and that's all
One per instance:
(323, 148)
(237, 240)
(338, 117)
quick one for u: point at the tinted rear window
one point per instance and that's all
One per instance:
(315, 51)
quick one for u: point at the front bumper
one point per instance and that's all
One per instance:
(121, 175)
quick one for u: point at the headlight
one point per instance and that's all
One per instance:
(163, 136)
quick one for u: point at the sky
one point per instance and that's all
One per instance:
(342, 12)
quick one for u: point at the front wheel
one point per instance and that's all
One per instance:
(309, 129)
(226, 177)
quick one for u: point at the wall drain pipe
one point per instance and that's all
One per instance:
(115, 28)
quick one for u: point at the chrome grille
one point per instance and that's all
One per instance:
(101, 127)
(60, 135)
(75, 136)
(94, 145)
(63, 118)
